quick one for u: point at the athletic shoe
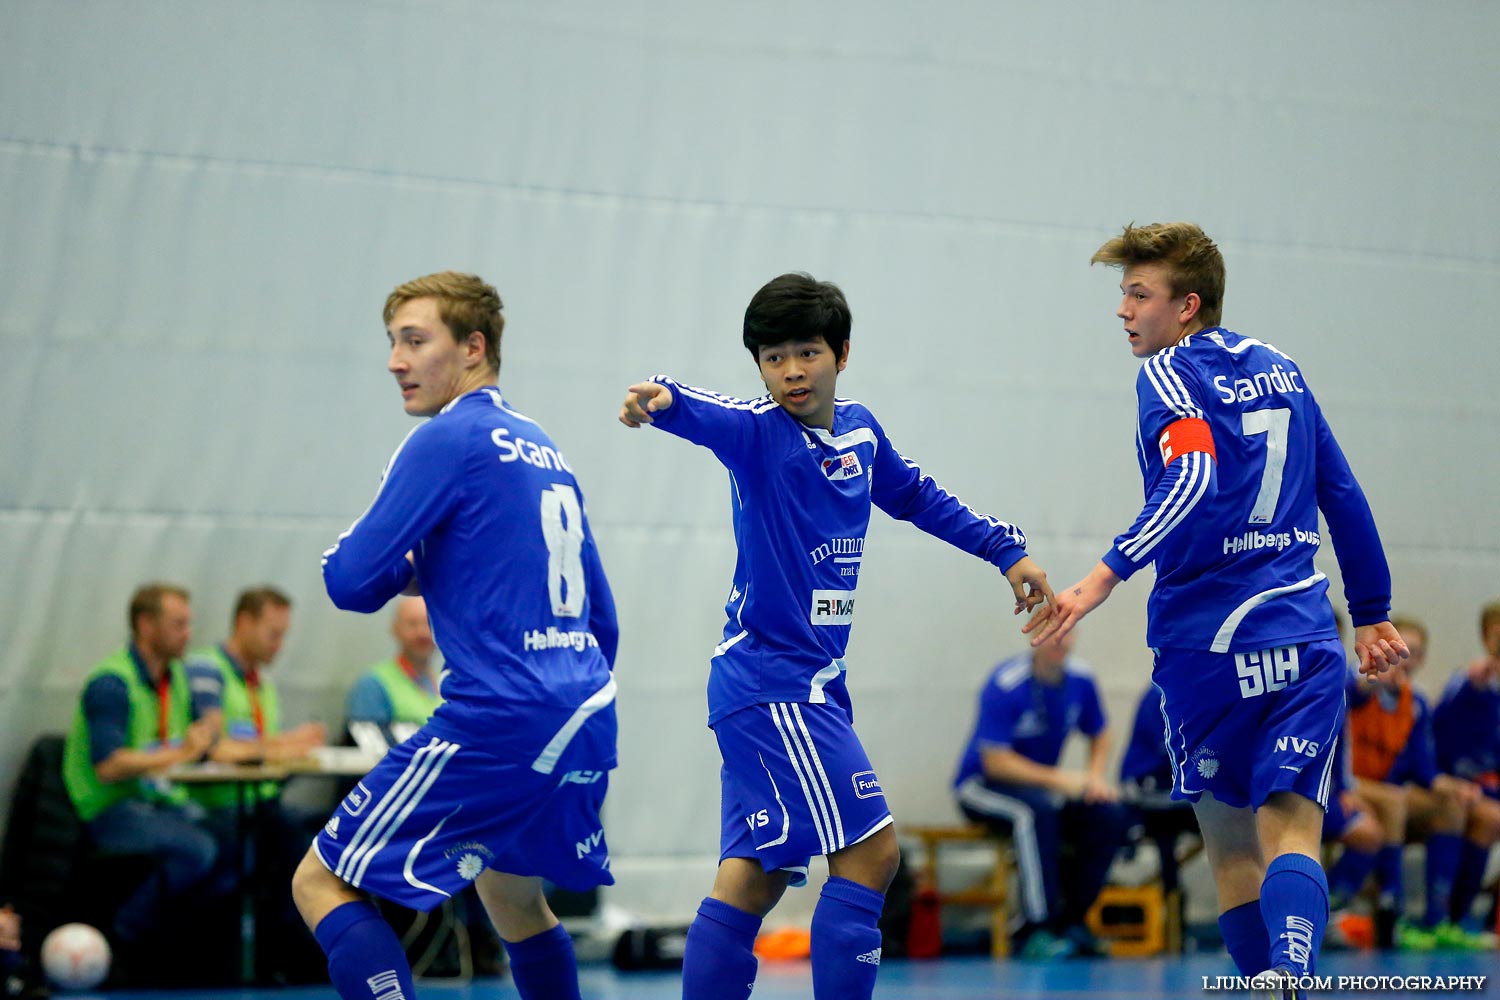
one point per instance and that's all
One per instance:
(1085, 944)
(1279, 983)
(1043, 944)
(1451, 937)
(1410, 937)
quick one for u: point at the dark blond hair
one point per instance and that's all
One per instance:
(466, 304)
(1193, 263)
(1488, 615)
(146, 601)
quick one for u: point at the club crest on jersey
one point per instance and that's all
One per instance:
(845, 466)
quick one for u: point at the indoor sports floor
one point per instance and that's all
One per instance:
(944, 979)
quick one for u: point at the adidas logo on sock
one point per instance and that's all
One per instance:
(869, 957)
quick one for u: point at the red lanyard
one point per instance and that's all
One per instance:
(422, 680)
(252, 687)
(164, 704)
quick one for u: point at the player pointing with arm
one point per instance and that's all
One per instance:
(804, 469)
(1238, 461)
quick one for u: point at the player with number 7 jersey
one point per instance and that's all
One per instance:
(503, 787)
(1238, 461)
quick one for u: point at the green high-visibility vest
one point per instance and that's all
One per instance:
(239, 722)
(410, 702)
(90, 795)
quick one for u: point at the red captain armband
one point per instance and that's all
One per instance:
(1183, 436)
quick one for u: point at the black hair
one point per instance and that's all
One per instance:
(796, 306)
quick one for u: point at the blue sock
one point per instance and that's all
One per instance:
(1348, 875)
(846, 940)
(1294, 903)
(543, 966)
(365, 960)
(1245, 938)
(718, 961)
(1443, 852)
(1471, 864)
(1389, 878)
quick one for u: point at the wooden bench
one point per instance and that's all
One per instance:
(991, 892)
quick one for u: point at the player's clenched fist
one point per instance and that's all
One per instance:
(642, 400)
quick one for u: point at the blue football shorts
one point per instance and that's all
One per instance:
(1243, 726)
(432, 815)
(795, 783)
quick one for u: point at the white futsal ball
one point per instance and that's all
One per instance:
(75, 957)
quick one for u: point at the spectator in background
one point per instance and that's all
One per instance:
(13, 981)
(131, 726)
(1351, 822)
(1009, 779)
(1466, 724)
(233, 692)
(399, 695)
(1396, 772)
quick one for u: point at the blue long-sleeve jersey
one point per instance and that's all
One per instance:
(801, 501)
(1146, 757)
(1019, 712)
(520, 607)
(1233, 530)
(1466, 726)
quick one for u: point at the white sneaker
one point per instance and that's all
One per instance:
(1279, 983)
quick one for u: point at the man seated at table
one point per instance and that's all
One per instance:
(131, 726)
(399, 695)
(233, 692)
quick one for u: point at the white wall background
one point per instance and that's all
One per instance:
(203, 205)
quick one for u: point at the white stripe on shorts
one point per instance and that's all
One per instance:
(410, 868)
(375, 832)
(838, 821)
(974, 794)
(786, 816)
(412, 801)
(1325, 784)
(809, 768)
(814, 804)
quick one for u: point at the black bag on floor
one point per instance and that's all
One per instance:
(642, 948)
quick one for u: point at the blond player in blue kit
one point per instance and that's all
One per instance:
(1238, 461)
(502, 788)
